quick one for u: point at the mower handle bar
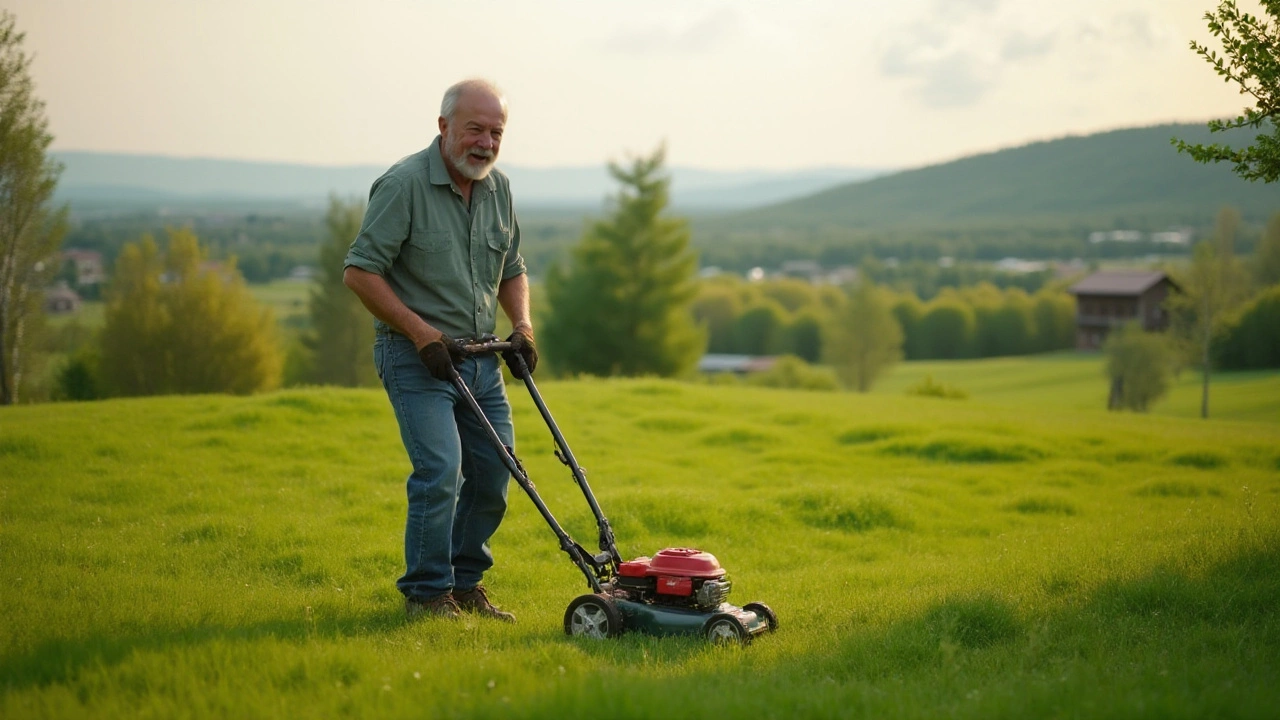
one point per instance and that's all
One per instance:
(481, 347)
(595, 568)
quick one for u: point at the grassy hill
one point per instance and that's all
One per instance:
(1072, 381)
(235, 557)
(1121, 179)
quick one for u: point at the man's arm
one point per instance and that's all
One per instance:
(513, 296)
(377, 295)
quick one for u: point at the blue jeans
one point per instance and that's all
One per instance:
(458, 487)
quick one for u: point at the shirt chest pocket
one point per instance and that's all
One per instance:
(430, 257)
(498, 241)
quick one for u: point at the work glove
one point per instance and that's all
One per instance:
(521, 344)
(440, 357)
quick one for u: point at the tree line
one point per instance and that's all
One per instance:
(794, 317)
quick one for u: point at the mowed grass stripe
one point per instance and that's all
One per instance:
(223, 556)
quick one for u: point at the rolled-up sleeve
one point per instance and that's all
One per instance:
(384, 230)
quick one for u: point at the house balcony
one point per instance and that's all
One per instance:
(1104, 321)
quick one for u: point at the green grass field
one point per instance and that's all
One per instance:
(1070, 381)
(235, 557)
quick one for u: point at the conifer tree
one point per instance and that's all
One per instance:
(622, 306)
(340, 343)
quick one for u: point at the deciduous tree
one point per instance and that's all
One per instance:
(865, 339)
(175, 325)
(622, 306)
(1213, 285)
(30, 232)
(1251, 59)
(1251, 339)
(1266, 263)
(947, 328)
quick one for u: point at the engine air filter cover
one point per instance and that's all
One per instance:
(685, 562)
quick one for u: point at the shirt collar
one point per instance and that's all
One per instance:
(438, 172)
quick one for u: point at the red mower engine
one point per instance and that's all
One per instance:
(682, 577)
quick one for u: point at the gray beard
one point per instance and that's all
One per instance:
(470, 171)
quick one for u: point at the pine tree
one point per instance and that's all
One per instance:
(30, 234)
(342, 336)
(622, 307)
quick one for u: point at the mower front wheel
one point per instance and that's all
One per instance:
(593, 616)
(726, 629)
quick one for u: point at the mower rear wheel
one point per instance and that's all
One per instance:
(765, 613)
(593, 616)
(726, 629)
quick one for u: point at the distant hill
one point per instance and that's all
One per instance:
(1121, 179)
(105, 179)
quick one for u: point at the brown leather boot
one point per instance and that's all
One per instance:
(476, 600)
(443, 605)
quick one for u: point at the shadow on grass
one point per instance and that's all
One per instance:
(61, 661)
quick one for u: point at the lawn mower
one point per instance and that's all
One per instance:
(677, 591)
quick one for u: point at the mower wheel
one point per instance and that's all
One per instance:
(725, 629)
(593, 616)
(764, 612)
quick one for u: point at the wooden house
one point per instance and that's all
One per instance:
(1109, 299)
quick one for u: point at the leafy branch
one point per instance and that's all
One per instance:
(1251, 59)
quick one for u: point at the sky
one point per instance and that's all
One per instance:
(725, 85)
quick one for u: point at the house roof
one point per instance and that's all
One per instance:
(1118, 282)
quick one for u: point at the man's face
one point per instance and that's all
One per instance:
(471, 137)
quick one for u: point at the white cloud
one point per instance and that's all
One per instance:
(699, 34)
(959, 51)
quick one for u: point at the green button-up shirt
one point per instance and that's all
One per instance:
(442, 259)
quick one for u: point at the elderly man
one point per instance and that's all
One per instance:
(437, 253)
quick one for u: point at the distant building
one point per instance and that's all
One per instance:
(1020, 266)
(736, 364)
(61, 300)
(304, 273)
(88, 265)
(1109, 299)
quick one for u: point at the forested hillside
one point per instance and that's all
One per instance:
(1038, 200)
(1129, 177)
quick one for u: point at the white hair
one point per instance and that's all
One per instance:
(449, 104)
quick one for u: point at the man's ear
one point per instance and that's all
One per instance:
(443, 124)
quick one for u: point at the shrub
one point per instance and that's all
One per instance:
(789, 371)
(928, 388)
(1140, 366)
